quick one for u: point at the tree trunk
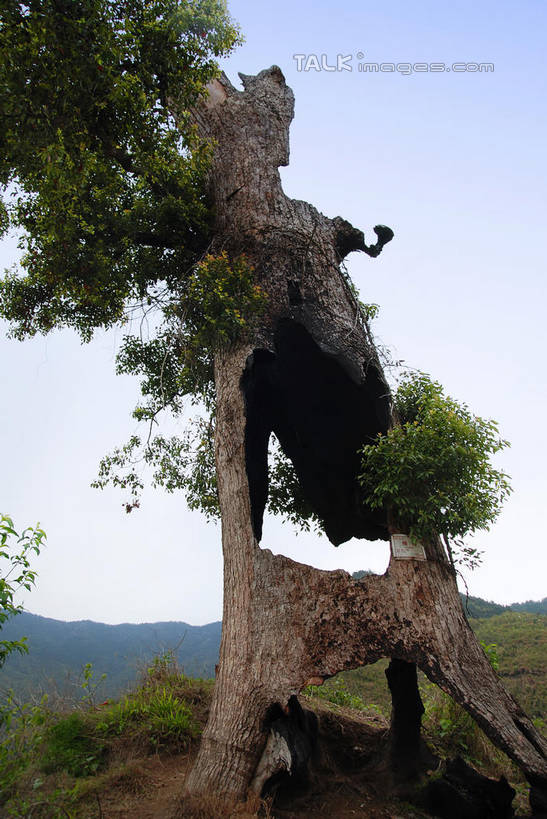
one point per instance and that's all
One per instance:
(312, 376)
(408, 755)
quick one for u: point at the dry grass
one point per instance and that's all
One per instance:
(211, 807)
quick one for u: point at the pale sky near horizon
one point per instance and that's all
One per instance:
(455, 163)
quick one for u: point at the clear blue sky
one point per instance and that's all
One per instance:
(455, 163)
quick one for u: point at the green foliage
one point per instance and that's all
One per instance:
(16, 574)
(4, 219)
(105, 182)
(105, 176)
(285, 495)
(369, 311)
(433, 470)
(491, 651)
(89, 684)
(336, 691)
(21, 734)
(69, 745)
(159, 720)
(449, 728)
(219, 303)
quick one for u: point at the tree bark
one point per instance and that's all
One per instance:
(311, 375)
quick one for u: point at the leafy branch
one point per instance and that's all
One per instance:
(218, 304)
(432, 470)
(15, 553)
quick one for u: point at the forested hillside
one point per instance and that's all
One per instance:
(479, 608)
(58, 651)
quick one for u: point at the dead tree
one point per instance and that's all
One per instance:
(311, 375)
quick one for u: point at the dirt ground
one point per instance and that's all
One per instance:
(347, 781)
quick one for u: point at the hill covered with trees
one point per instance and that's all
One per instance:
(58, 652)
(478, 608)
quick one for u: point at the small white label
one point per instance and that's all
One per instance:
(404, 548)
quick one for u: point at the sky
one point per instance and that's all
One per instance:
(454, 161)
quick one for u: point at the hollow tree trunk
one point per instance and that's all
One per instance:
(311, 375)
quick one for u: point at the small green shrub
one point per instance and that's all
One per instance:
(72, 746)
(451, 731)
(432, 470)
(90, 684)
(491, 651)
(162, 669)
(21, 731)
(154, 717)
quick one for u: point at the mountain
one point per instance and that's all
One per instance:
(58, 651)
(477, 607)
(533, 606)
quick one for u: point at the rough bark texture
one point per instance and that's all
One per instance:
(312, 376)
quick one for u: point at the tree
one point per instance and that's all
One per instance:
(258, 321)
(312, 375)
(16, 575)
(84, 89)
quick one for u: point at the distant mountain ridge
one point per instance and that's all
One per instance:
(479, 608)
(59, 650)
